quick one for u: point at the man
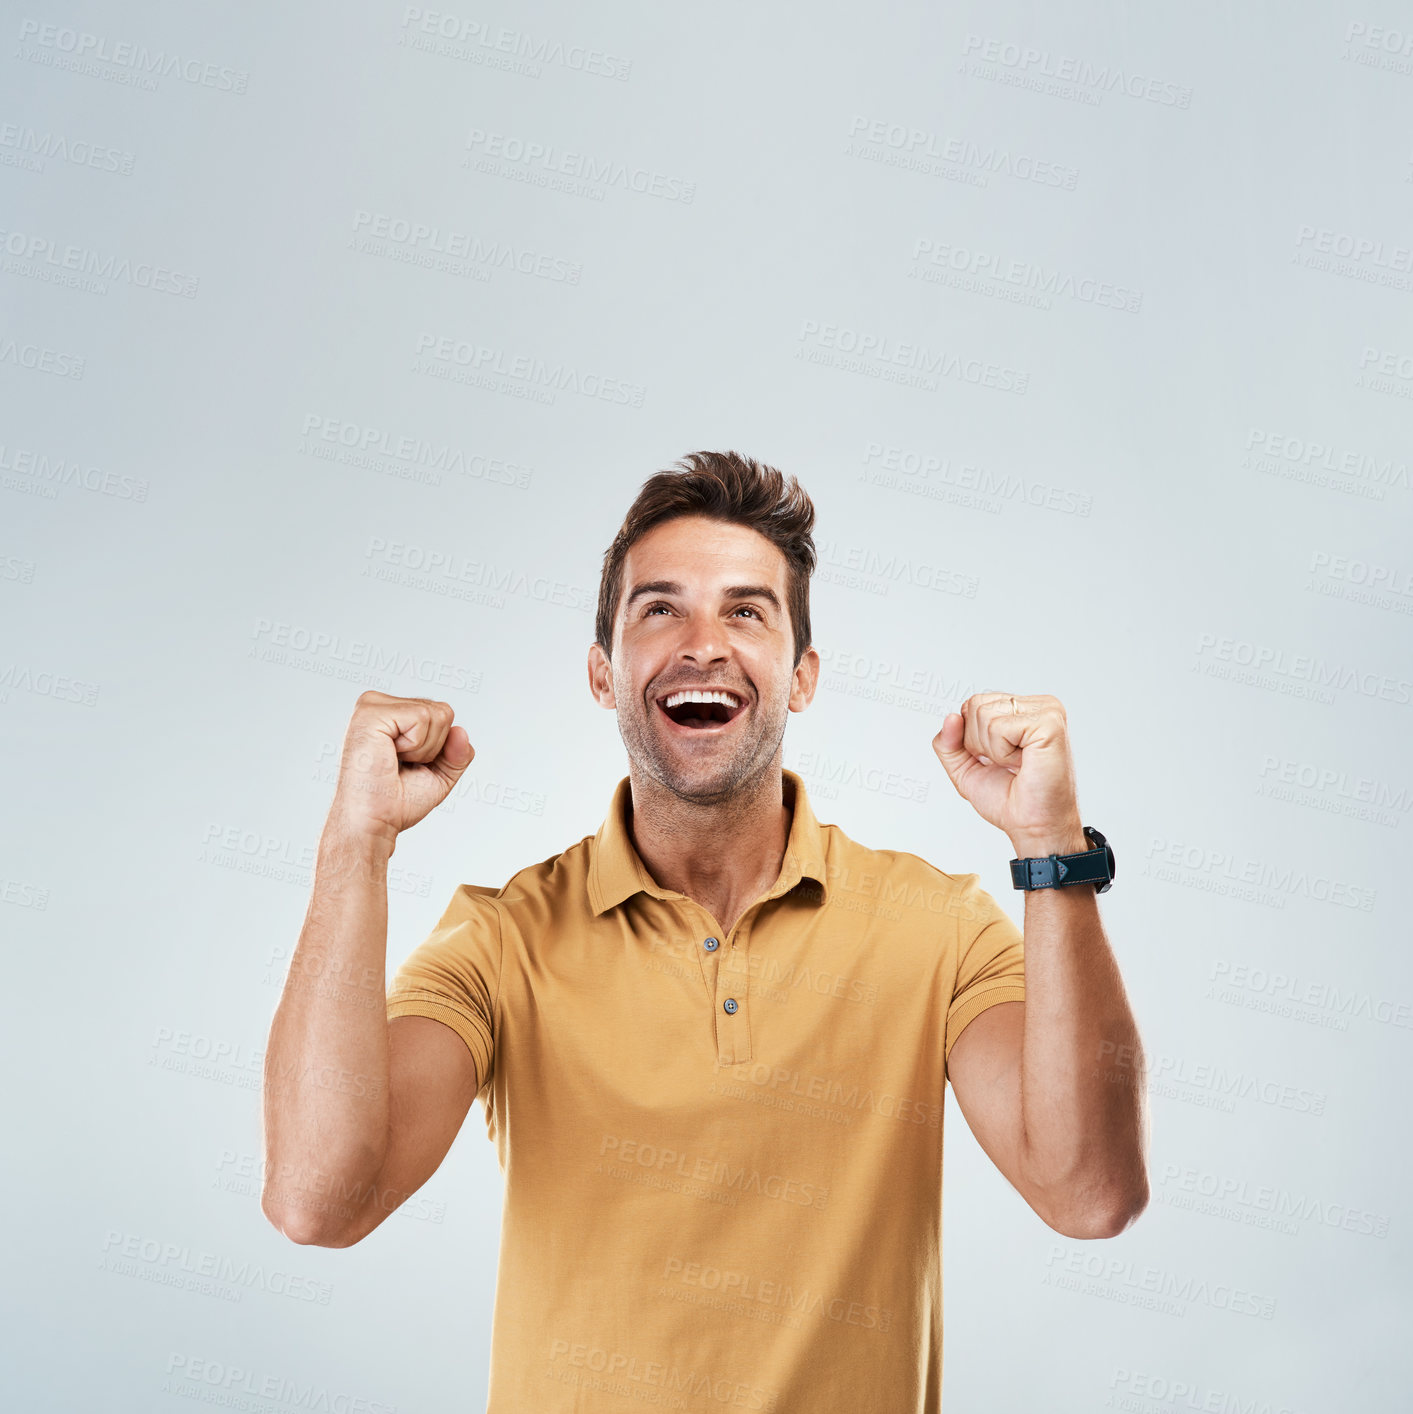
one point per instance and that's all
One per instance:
(711, 1040)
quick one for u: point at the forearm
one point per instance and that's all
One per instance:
(326, 1065)
(1082, 1089)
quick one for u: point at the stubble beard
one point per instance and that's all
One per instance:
(734, 772)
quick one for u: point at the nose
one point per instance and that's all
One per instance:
(703, 640)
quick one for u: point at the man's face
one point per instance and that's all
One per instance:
(703, 606)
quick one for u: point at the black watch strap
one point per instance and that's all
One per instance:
(1095, 866)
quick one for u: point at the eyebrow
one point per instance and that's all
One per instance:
(736, 591)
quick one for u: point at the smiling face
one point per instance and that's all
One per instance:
(702, 676)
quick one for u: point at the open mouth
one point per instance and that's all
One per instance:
(699, 709)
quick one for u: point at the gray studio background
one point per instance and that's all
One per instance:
(335, 341)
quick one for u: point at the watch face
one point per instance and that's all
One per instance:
(1113, 868)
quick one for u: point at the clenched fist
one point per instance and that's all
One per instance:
(1009, 757)
(401, 758)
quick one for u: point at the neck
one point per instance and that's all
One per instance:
(723, 855)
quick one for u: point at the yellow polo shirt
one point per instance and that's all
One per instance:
(722, 1153)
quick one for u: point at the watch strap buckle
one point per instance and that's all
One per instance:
(1095, 866)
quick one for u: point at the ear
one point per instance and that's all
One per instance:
(805, 681)
(601, 677)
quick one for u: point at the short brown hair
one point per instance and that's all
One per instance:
(725, 486)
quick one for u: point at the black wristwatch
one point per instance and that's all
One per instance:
(1095, 866)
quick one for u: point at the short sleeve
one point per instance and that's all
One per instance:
(454, 976)
(990, 957)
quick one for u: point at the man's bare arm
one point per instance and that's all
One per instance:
(360, 1111)
(1052, 1087)
(1040, 1081)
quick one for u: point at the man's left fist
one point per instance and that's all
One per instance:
(1009, 758)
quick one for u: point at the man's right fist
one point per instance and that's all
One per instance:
(401, 758)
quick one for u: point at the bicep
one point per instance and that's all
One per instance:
(985, 1070)
(432, 1082)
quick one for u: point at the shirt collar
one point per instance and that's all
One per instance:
(617, 872)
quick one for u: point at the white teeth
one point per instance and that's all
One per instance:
(726, 699)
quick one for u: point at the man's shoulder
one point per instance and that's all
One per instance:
(547, 882)
(843, 849)
(894, 877)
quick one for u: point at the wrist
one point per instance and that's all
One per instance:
(1071, 840)
(365, 843)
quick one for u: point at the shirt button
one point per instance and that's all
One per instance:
(711, 944)
(729, 1006)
